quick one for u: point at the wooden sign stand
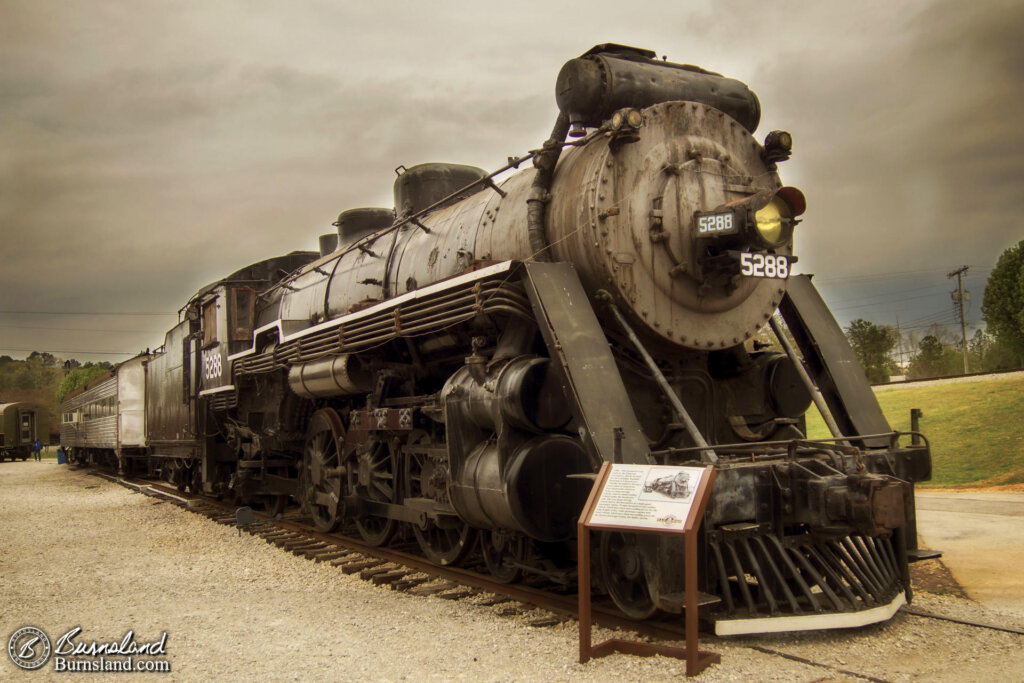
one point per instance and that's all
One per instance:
(696, 660)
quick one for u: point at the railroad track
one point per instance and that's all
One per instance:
(401, 570)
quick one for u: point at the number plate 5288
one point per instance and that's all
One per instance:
(718, 223)
(764, 265)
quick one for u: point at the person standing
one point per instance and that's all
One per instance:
(39, 450)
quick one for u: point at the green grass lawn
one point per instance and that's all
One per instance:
(976, 429)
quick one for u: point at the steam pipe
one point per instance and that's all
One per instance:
(537, 202)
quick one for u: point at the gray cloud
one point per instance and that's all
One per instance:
(148, 149)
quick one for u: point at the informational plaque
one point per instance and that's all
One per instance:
(652, 497)
(648, 499)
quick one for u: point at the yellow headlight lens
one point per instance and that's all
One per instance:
(770, 221)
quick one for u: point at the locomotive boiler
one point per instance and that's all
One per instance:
(456, 368)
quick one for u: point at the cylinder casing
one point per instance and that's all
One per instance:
(335, 376)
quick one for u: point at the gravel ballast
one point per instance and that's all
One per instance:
(77, 550)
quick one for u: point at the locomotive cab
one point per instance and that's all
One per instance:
(227, 321)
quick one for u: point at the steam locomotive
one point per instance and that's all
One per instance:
(455, 369)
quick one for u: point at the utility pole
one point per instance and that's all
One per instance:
(899, 345)
(958, 304)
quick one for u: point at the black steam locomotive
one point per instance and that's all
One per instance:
(452, 369)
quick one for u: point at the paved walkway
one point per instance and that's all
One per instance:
(981, 535)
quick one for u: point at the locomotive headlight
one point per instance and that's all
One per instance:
(773, 223)
(634, 118)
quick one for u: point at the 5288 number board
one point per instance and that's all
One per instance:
(764, 265)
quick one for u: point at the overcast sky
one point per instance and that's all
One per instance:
(147, 148)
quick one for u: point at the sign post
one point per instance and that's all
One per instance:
(646, 499)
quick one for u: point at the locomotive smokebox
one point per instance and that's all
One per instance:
(610, 77)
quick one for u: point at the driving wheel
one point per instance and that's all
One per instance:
(371, 468)
(623, 571)
(323, 475)
(446, 540)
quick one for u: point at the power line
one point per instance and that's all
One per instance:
(882, 297)
(928, 326)
(891, 301)
(892, 275)
(937, 317)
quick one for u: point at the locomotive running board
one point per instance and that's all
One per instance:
(589, 376)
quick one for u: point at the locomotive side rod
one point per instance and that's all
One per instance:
(707, 453)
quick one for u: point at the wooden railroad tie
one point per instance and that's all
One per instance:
(346, 559)
(513, 610)
(493, 599)
(434, 588)
(353, 567)
(328, 554)
(459, 594)
(270, 532)
(370, 572)
(301, 544)
(407, 584)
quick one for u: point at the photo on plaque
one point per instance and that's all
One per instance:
(668, 488)
(656, 497)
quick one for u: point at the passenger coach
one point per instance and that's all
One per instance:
(18, 430)
(104, 422)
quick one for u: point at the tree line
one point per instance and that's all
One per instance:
(939, 354)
